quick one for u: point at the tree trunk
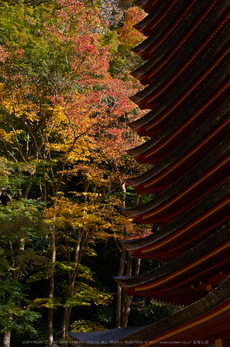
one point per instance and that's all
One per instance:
(127, 300)
(119, 290)
(65, 325)
(136, 199)
(70, 288)
(51, 286)
(123, 300)
(50, 327)
(123, 188)
(6, 338)
(126, 309)
(6, 335)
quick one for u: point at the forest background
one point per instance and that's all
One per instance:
(64, 114)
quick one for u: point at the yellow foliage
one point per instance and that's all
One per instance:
(45, 302)
(84, 295)
(83, 326)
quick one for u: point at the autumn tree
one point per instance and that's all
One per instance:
(20, 224)
(62, 103)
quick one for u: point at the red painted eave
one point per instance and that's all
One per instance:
(174, 59)
(147, 5)
(147, 25)
(197, 270)
(207, 319)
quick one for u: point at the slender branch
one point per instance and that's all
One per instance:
(8, 152)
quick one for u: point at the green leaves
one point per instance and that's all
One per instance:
(63, 134)
(53, 303)
(18, 220)
(14, 312)
(83, 326)
(85, 295)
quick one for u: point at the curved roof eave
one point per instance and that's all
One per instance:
(205, 310)
(169, 230)
(178, 19)
(152, 17)
(191, 146)
(185, 259)
(172, 105)
(187, 47)
(203, 166)
(204, 67)
(148, 5)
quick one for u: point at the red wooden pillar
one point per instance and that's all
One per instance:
(222, 343)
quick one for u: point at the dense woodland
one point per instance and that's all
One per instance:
(64, 114)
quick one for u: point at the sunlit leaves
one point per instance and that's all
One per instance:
(128, 36)
(64, 110)
(46, 302)
(83, 326)
(89, 218)
(85, 295)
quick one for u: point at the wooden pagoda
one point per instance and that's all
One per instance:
(187, 78)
